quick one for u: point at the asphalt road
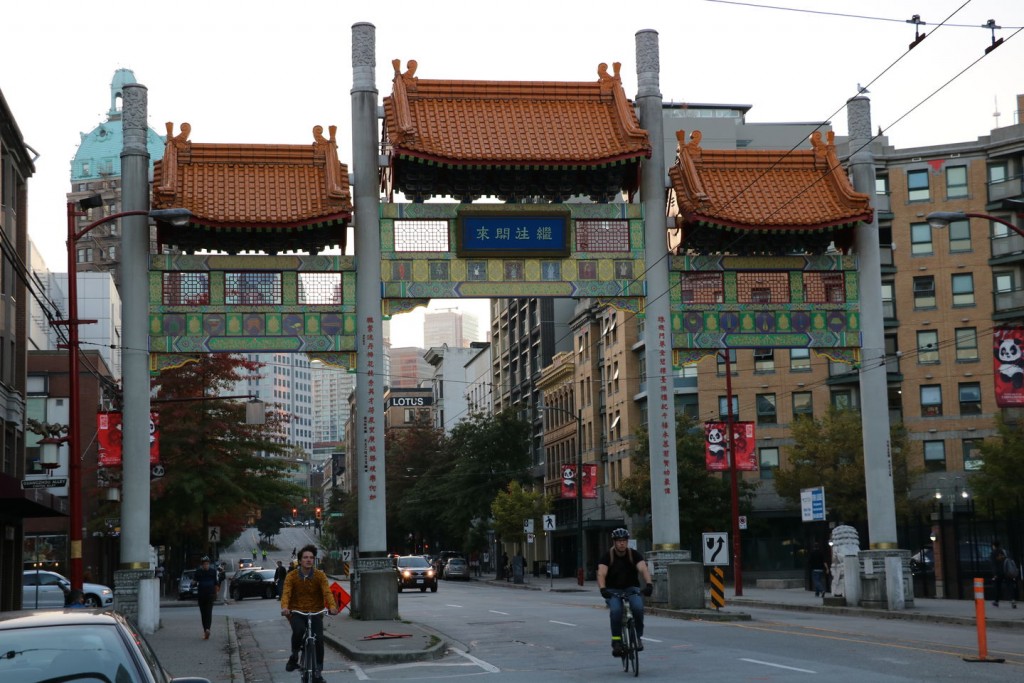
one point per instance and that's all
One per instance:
(526, 636)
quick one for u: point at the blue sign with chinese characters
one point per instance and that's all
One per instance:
(513, 235)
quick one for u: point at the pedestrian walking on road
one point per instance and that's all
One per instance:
(279, 575)
(264, 554)
(208, 584)
(1003, 571)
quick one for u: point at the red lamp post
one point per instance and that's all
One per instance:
(74, 441)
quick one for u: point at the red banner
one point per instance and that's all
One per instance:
(1008, 343)
(570, 482)
(108, 438)
(716, 456)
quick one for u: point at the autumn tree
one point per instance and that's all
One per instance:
(411, 451)
(829, 452)
(218, 469)
(705, 498)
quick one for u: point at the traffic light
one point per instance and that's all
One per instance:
(295, 513)
(318, 513)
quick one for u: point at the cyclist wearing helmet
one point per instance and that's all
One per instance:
(618, 569)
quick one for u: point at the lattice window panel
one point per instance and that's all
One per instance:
(602, 236)
(319, 289)
(762, 288)
(186, 289)
(421, 236)
(824, 288)
(252, 289)
(703, 288)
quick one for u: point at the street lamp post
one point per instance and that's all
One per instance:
(578, 416)
(942, 219)
(74, 400)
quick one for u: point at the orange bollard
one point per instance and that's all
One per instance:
(979, 617)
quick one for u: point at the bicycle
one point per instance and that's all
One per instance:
(630, 640)
(307, 651)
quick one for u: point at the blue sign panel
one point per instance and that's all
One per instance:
(515, 234)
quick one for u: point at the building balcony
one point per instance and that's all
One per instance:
(1009, 304)
(1010, 188)
(1011, 245)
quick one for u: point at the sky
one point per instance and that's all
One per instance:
(264, 71)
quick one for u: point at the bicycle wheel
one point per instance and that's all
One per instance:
(632, 654)
(626, 646)
(308, 662)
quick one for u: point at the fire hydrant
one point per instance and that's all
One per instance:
(579, 576)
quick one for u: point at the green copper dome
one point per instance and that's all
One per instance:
(99, 154)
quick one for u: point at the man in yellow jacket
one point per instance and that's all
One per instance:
(306, 590)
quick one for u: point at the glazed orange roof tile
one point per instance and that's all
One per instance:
(512, 123)
(238, 186)
(764, 191)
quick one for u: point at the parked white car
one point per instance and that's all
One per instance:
(41, 589)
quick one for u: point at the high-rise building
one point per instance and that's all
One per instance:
(96, 169)
(408, 368)
(449, 326)
(285, 383)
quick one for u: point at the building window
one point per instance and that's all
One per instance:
(956, 181)
(803, 404)
(921, 239)
(927, 347)
(769, 458)
(720, 358)
(966, 344)
(997, 173)
(764, 360)
(723, 408)
(766, 409)
(935, 456)
(888, 301)
(1004, 282)
(917, 186)
(972, 454)
(882, 184)
(959, 236)
(970, 398)
(931, 400)
(843, 400)
(924, 292)
(963, 289)
(800, 360)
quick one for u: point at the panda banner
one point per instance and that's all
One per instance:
(108, 438)
(1009, 366)
(716, 457)
(571, 483)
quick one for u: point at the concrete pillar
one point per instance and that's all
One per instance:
(135, 555)
(372, 557)
(874, 391)
(657, 330)
(685, 585)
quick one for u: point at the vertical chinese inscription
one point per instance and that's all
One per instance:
(370, 419)
(665, 395)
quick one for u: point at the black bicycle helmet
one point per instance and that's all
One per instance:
(620, 533)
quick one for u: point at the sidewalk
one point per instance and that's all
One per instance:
(399, 641)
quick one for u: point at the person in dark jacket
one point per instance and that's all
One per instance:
(208, 583)
(279, 575)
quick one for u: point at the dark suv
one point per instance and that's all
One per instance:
(415, 572)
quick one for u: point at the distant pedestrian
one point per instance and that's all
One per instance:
(279, 575)
(264, 554)
(474, 563)
(1003, 571)
(816, 563)
(506, 572)
(208, 584)
(76, 599)
(254, 553)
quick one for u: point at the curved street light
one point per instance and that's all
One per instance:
(942, 219)
(75, 522)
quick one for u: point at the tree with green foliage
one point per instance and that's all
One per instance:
(477, 459)
(269, 521)
(998, 485)
(829, 451)
(411, 452)
(705, 498)
(515, 504)
(217, 469)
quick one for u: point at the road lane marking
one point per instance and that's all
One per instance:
(489, 668)
(649, 640)
(777, 666)
(494, 611)
(563, 623)
(451, 605)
